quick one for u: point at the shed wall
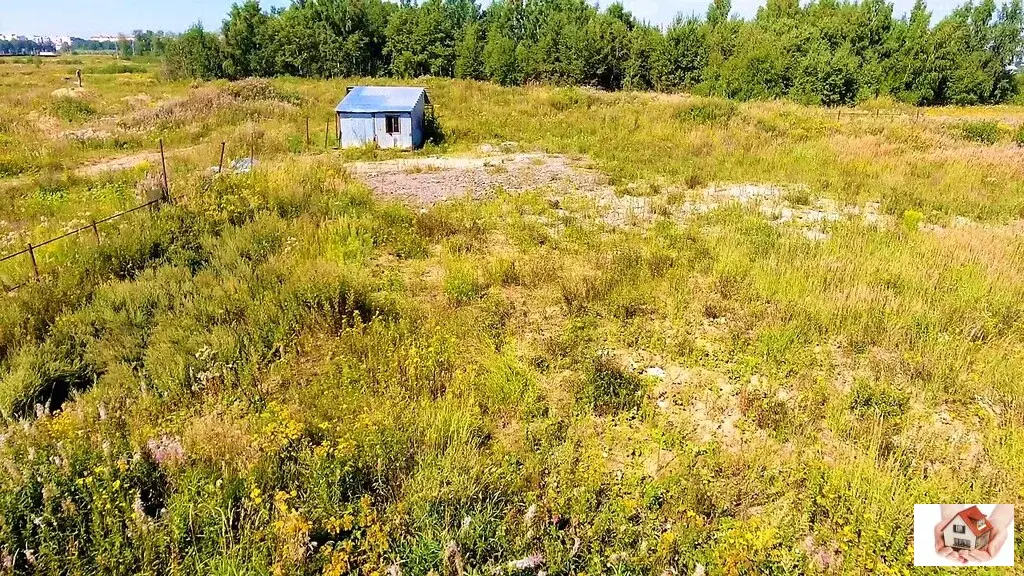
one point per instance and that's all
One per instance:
(356, 130)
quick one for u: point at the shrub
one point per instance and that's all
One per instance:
(912, 219)
(983, 131)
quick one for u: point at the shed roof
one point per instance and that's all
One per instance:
(363, 99)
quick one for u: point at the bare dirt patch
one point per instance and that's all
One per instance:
(117, 164)
(430, 180)
(127, 162)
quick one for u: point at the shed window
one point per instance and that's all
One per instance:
(392, 124)
(959, 529)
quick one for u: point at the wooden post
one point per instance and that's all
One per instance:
(327, 135)
(32, 255)
(163, 164)
(220, 167)
(307, 132)
(95, 231)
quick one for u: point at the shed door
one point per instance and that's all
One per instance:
(364, 130)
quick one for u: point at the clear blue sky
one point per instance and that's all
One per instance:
(91, 17)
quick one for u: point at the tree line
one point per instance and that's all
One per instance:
(829, 52)
(24, 47)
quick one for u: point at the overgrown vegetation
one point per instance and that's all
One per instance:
(283, 373)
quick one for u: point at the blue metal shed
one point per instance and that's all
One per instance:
(388, 116)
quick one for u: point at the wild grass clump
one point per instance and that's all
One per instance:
(1018, 135)
(257, 89)
(570, 98)
(981, 131)
(878, 400)
(115, 68)
(707, 111)
(71, 109)
(44, 376)
(463, 284)
(611, 389)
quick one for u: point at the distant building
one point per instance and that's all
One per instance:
(390, 117)
(114, 39)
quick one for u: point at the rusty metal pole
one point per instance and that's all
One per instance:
(220, 167)
(32, 256)
(95, 231)
(327, 135)
(163, 164)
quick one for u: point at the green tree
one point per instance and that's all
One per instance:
(469, 53)
(195, 54)
(247, 41)
(500, 61)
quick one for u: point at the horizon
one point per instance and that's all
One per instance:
(71, 18)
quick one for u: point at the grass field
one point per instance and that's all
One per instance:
(738, 338)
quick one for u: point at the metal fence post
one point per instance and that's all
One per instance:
(163, 163)
(307, 132)
(220, 166)
(32, 255)
(95, 231)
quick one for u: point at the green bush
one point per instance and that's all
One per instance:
(983, 131)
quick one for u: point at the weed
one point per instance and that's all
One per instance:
(982, 131)
(707, 111)
(610, 389)
(70, 109)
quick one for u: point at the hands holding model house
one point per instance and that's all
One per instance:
(965, 534)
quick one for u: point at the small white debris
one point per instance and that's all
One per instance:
(535, 560)
(815, 235)
(655, 372)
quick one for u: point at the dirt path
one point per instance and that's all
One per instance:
(128, 162)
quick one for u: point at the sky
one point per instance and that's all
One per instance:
(93, 17)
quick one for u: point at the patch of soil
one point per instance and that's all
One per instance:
(73, 92)
(122, 163)
(127, 162)
(431, 180)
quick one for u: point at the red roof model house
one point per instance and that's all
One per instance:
(968, 530)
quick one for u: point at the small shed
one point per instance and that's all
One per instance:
(388, 116)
